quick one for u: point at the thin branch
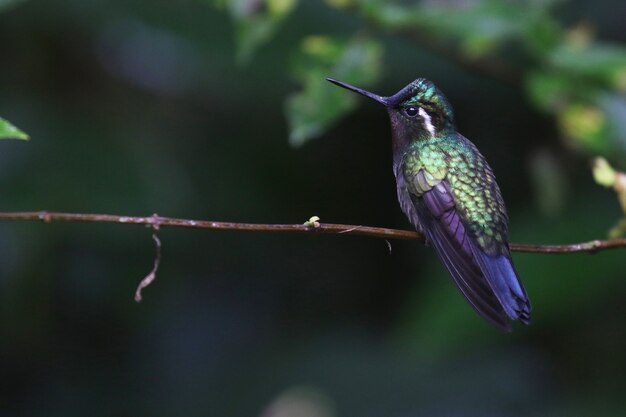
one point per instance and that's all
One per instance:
(155, 221)
(148, 279)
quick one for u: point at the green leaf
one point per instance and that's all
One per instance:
(591, 116)
(314, 109)
(597, 61)
(586, 124)
(598, 125)
(480, 26)
(603, 172)
(605, 175)
(549, 90)
(256, 22)
(8, 131)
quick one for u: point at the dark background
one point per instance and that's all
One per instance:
(138, 107)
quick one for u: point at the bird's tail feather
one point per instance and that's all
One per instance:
(504, 282)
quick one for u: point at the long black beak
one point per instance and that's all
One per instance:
(380, 99)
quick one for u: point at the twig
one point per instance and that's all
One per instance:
(148, 279)
(156, 222)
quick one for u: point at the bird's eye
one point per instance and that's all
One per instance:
(411, 111)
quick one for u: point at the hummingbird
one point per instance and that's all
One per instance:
(449, 193)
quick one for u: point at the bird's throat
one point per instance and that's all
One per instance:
(403, 135)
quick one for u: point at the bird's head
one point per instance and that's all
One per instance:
(419, 109)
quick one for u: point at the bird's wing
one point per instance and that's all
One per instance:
(488, 282)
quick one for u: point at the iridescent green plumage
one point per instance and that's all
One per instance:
(471, 180)
(449, 192)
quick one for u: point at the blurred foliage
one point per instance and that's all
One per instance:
(142, 106)
(311, 111)
(565, 72)
(605, 175)
(256, 21)
(8, 131)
